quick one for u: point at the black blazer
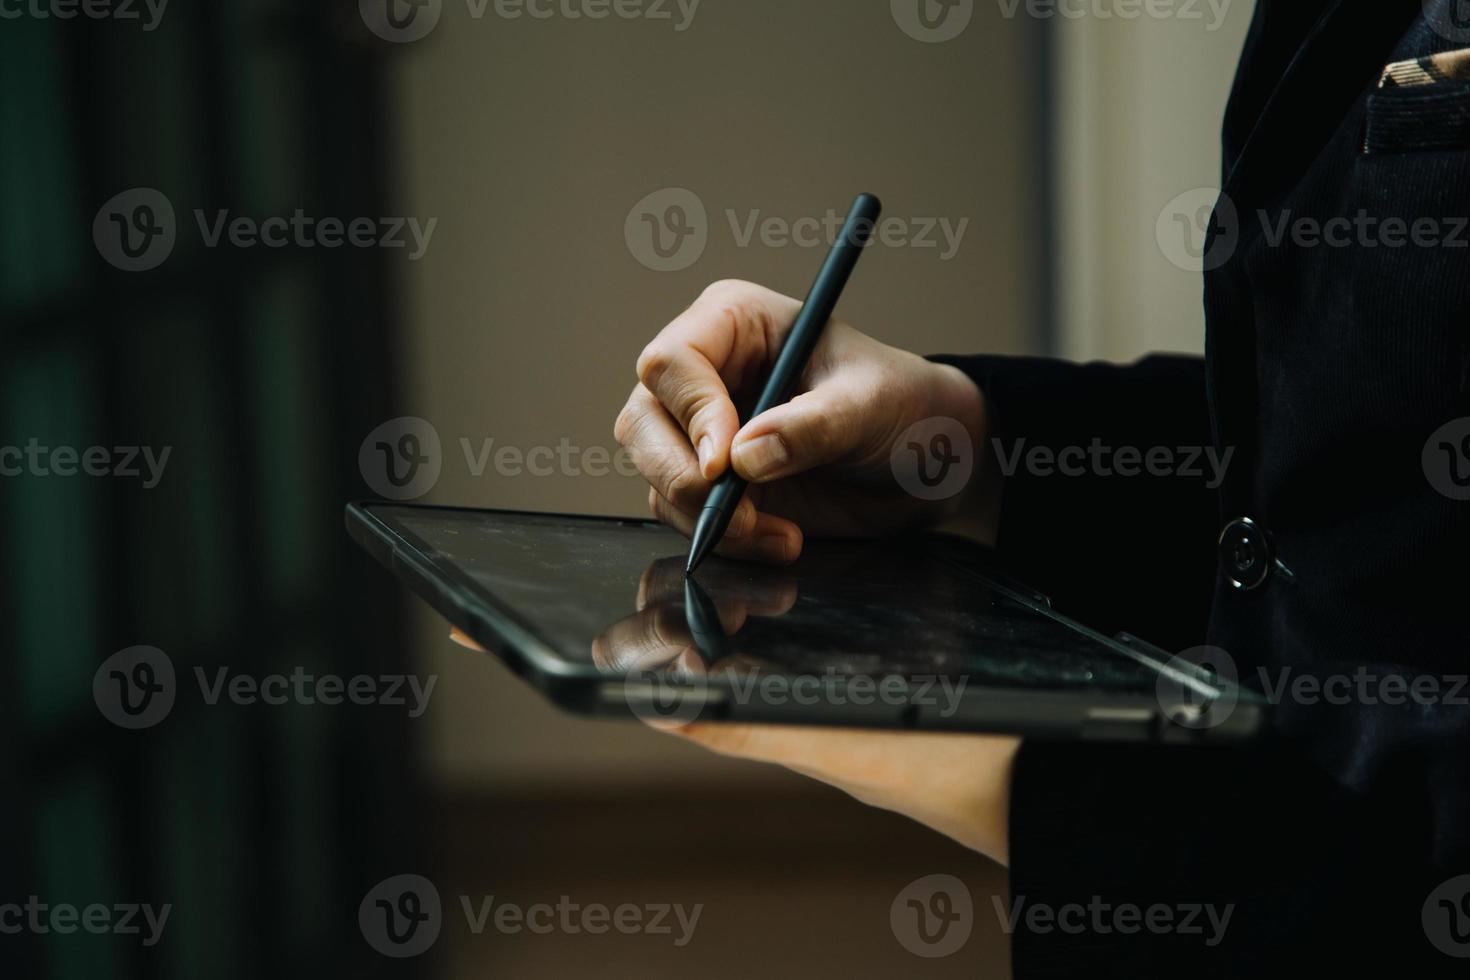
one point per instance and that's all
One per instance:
(1327, 370)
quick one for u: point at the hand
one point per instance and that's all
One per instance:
(659, 635)
(959, 785)
(818, 464)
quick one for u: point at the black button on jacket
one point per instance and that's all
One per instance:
(1330, 366)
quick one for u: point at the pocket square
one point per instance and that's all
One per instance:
(1451, 66)
(1421, 105)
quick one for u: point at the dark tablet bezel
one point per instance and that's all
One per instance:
(584, 689)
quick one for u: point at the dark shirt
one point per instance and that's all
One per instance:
(1328, 368)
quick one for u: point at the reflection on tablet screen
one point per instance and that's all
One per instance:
(613, 594)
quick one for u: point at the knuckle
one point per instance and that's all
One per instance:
(820, 426)
(816, 433)
(728, 288)
(703, 406)
(741, 307)
(684, 398)
(626, 425)
(755, 329)
(632, 421)
(684, 483)
(760, 322)
(655, 360)
(741, 318)
(659, 630)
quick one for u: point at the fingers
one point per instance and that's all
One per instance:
(692, 365)
(688, 386)
(679, 422)
(681, 518)
(644, 641)
(678, 489)
(661, 451)
(663, 581)
(662, 454)
(753, 535)
(657, 587)
(832, 422)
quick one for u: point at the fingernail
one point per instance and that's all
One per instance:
(764, 457)
(774, 547)
(706, 453)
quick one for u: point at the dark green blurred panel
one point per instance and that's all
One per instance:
(43, 238)
(75, 852)
(308, 839)
(201, 799)
(291, 499)
(52, 522)
(187, 583)
(249, 820)
(154, 116)
(267, 90)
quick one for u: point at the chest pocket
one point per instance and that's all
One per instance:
(1408, 265)
(1432, 116)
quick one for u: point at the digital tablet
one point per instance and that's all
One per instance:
(916, 632)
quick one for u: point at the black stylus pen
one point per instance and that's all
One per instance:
(820, 303)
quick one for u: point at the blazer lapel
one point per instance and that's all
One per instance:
(1341, 56)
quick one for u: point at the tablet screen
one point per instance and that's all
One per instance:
(613, 595)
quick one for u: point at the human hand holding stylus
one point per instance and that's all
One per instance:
(818, 464)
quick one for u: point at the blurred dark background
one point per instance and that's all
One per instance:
(261, 370)
(252, 366)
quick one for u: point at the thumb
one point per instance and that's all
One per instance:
(815, 428)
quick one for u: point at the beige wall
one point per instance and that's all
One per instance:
(531, 141)
(1138, 123)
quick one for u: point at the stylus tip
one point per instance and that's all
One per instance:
(706, 537)
(699, 549)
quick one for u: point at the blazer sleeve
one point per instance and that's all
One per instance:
(1116, 551)
(1143, 861)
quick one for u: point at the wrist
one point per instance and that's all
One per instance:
(956, 396)
(975, 511)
